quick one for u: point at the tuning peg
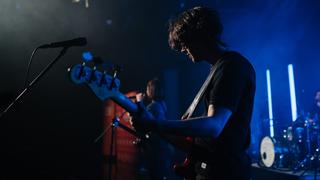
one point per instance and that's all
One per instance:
(81, 72)
(116, 70)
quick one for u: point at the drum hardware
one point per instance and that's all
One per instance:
(296, 147)
(310, 161)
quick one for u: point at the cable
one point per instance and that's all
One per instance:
(29, 67)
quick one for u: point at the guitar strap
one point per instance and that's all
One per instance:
(200, 94)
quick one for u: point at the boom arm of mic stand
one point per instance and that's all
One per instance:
(34, 81)
(116, 123)
(129, 130)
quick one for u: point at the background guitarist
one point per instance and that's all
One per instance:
(156, 152)
(220, 139)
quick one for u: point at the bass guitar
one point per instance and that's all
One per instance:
(106, 86)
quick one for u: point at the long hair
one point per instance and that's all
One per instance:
(156, 89)
(199, 24)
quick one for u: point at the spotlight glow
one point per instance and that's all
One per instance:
(292, 93)
(270, 103)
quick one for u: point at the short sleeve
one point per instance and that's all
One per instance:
(229, 83)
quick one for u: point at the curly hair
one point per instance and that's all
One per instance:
(199, 24)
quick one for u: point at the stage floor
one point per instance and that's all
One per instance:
(262, 173)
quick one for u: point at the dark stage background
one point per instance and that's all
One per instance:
(51, 131)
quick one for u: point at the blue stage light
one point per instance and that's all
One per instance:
(292, 93)
(87, 56)
(270, 103)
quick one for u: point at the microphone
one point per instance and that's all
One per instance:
(81, 41)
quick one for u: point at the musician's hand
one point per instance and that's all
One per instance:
(140, 97)
(185, 116)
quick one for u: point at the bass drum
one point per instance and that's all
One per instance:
(276, 154)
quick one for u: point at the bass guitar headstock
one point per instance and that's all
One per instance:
(100, 81)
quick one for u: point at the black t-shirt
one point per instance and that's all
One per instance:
(232, 87)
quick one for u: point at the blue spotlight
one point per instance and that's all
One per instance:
(292, 93)
(87, 56)
(270, 103)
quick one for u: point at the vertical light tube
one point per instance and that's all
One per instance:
(292, 93)
(270, 103)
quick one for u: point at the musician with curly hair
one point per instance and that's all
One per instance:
(217, 142)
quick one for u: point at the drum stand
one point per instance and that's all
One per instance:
(310, 162)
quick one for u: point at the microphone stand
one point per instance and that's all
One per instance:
(34, 81)
(112, 158)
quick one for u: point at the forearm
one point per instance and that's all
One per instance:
(196, 127)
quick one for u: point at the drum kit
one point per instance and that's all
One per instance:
(295, 149)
